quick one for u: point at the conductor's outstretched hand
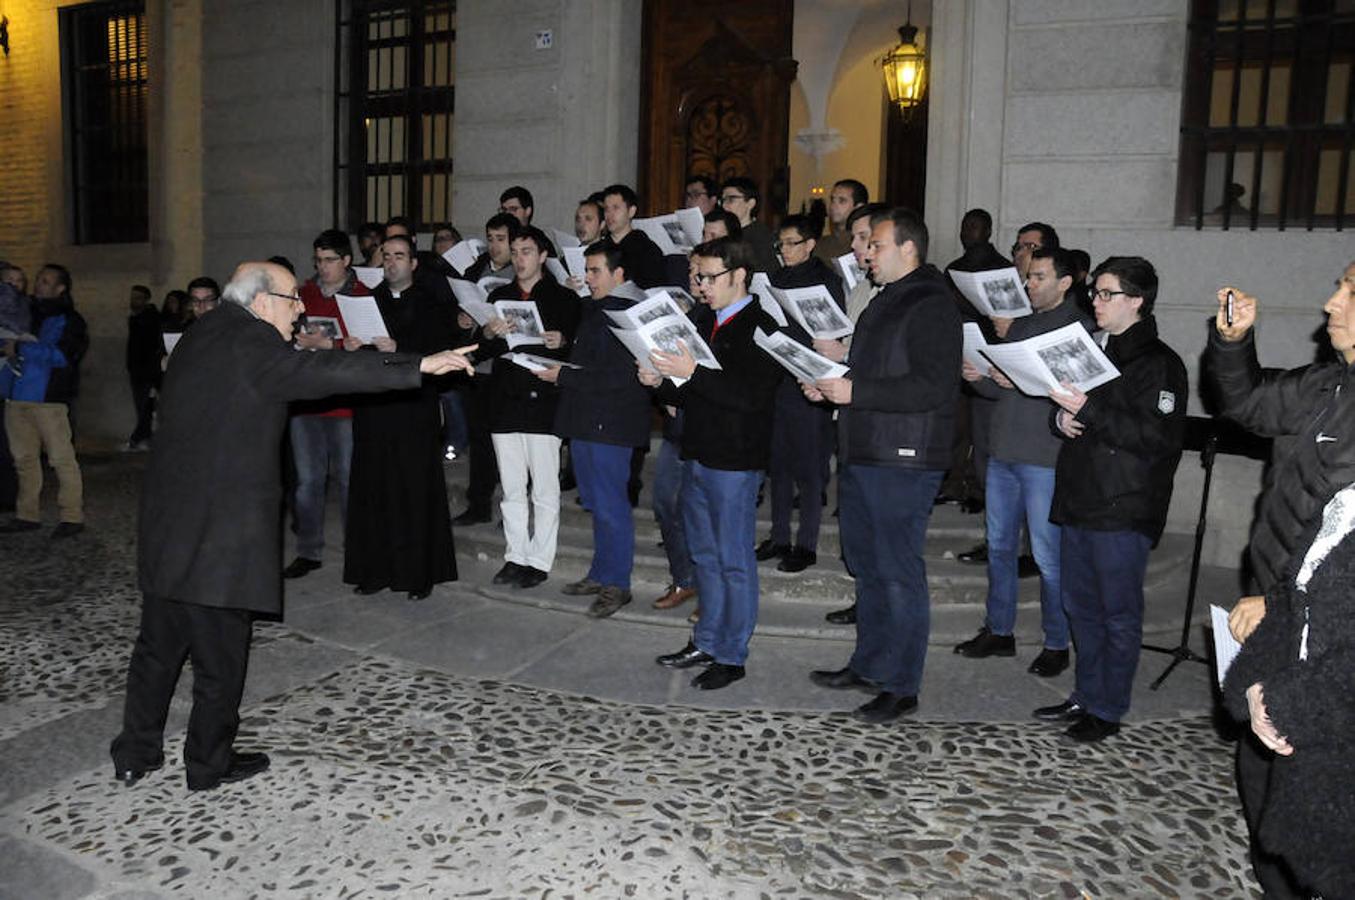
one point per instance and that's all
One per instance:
(457, 360)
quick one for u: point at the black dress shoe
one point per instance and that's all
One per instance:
(1089, 729)
(509, 574)
(842, 616)
(716, 676)
(976, 556)
(473, 517)
(797, 560)
(1059, 712)
(14, 526)
(1049, 663)
(366, 590)
(129, 777)
(67, 529)
(530, 577)
(972, 505)
(886, 707)
(768, 550)
(1026, 566)
(300, 566)
(685, 658)
(421, 593)
(243, 765)
(840, 679)
(985, 644)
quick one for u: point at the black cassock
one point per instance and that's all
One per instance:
(399, 533)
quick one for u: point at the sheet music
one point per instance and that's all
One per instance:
(800, 361)
(1226, 646)
(171, 339)
(996, 292)
(533, 363)
(760, 286)
(974, 342)
(1039, 364)
(852, 274)
(525, 319)
(463, 255)
(815, 310)
(362, 317)
(472, 298)
(370, 275)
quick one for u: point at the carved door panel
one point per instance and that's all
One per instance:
(716, 98)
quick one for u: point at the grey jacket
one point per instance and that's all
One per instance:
(1020, 428)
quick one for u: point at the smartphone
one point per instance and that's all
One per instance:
(1228, 312)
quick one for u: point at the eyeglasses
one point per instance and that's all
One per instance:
(1105, 295)
(291, 298)
(697, 195)
(1025, 245)
(703, 278)
(325, 259)
(730, 198)
(779, 244)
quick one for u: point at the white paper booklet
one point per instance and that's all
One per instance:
(7, 335)
(326, 325)
(654, 307)
(974, 344)
(362, 317)
(564, 239)
(671, 232)
(1040, 364)
(533, 363)
(760, 286)
(473, 300)
(796, 358)
(490, 282)
(525, 320)
(172, 339)
(370, 275)
(997, 292)
(557, 270)
(815, 310)
(1226, 646)
(852, 274)
(575, 264)
(463, 255)
(684, 299)
(662, 332)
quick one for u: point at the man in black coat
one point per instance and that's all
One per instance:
(1315, 407)
(604, 413)
(1112, 488)
(897, 408)
(641, 257)
(209, 541)
(145, 347)
(726, 442)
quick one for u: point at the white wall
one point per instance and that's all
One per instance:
(563, 122)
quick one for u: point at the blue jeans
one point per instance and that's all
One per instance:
(602, 471)
(668, 476)
(1016, 493)
(720, 513)
(322, 447)
(454, 431)
(883, 515)
(1103, 594)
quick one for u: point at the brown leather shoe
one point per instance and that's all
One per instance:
(676, 596)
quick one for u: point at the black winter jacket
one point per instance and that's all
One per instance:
(519, 401)
(145, 345)
(1314, 403)
(727, 412)
(905, 373)
(1308, 815)
(602, 400)
(1117, 475)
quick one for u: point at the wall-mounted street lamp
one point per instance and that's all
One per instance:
(905, 69)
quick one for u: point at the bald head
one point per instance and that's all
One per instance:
(269, 291)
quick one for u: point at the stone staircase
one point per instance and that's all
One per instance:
(795, 604)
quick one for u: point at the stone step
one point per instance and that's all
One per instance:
(825, 584)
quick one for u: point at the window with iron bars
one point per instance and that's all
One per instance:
(104, 87)
(1266, 126)
(395, 69)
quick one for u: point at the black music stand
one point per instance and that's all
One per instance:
(1209, 436)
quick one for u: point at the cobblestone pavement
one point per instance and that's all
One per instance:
(393, 779)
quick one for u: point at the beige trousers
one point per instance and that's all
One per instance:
(33, 428)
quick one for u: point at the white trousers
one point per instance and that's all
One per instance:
(535, 458)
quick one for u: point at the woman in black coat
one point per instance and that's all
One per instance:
(1293, 681)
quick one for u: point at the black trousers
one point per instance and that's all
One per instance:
(1253, 782)
(9, 479)
(484, 466)
(145, 409)
(217, 641)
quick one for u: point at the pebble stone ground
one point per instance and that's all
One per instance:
(468, 747)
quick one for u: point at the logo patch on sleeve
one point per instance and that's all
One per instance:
(1166, 402)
